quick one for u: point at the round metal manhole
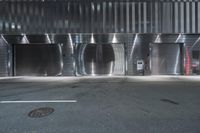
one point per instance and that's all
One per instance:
(41, 112)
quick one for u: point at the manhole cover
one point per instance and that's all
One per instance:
(40, 112)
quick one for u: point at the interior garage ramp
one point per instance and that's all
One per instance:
(37, 59)
(166, 59)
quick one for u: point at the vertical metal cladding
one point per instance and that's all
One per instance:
(4, 58)
(99, 16)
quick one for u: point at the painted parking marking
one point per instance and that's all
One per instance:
(41, 101)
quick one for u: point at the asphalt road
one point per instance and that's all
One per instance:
(104, 105)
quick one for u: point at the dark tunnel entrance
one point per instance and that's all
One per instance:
(37, 59)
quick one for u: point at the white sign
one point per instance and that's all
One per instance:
(140, 64)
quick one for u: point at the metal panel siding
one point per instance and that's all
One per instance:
(3, 58)
(133, 17)
(139, 17)
(127, 17)
(121, 17)
(145, 17)
(182, 18)
(92, 16)
(176, 16)
(156, 17)
(193, 20)
(188, 17)
(68, 66)
(198, 17)
(136, 46)
(3, 61)
(67, 43)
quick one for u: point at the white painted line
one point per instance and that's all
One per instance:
(41, 101)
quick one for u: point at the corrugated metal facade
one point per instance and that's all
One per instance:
(3, 58)
(99, 16)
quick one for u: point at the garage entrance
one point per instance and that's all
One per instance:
(37, 59)
(166, 59)
(100, 59)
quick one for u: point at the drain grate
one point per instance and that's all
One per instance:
(41, 112)
(169, 101)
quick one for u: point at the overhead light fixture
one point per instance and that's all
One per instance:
(133, 46)
(48, 38)
(179, 36)
(114, 40)
(24, 39)
(157, 40)
(70, 40)
(92, 39)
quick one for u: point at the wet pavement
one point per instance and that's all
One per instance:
(152, 104)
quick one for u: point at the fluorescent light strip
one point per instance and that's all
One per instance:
(133, 47)
(41, 101)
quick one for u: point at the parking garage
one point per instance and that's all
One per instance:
(95, 66)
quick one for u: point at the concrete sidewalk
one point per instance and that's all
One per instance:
(164, 78)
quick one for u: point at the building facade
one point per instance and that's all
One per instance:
(99, 37)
